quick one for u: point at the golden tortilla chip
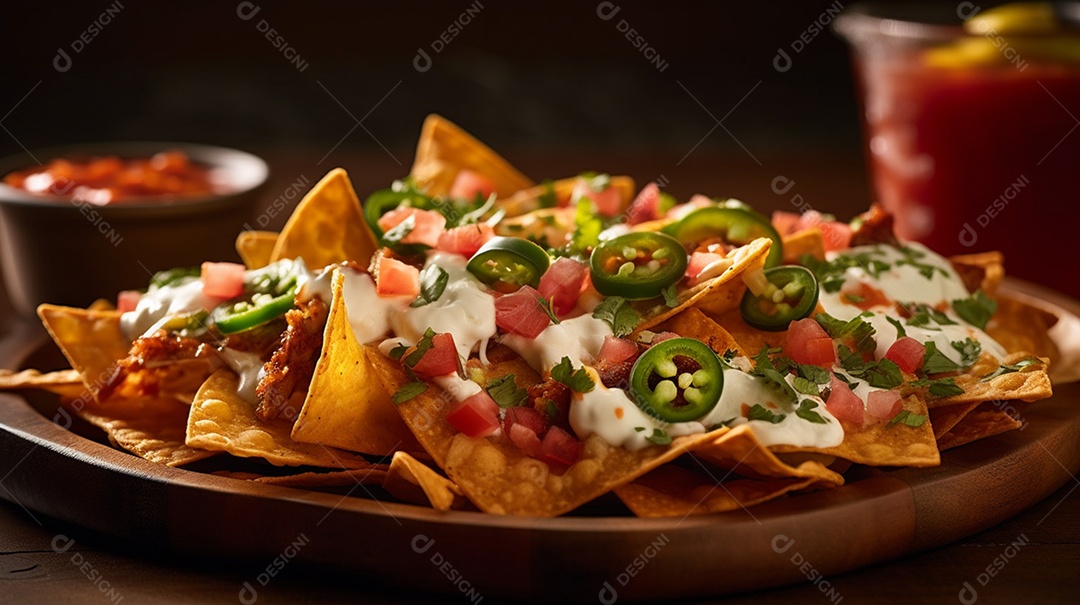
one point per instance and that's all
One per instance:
(91, 340)
(986, 420)
(346, 406)
(327, 226)
(222, 421)
(740, 451)
(151, 428)
(945, 418)
(983, 270)
(808, 241)
(692, 323)
(530, 200)
(1023, 328)
(101, 304)
(256, 248)
(715, 296)
(672, 491)
(370, 476)
(1030, 383)
(33, 379)
(500, 479)
(445, 149)
(410, 480)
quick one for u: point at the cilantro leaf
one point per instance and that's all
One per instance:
(814, 374)
(922, 315)
(860, 332)
(935, 362)
(578, 380)
(911, 258)
(969, 350)
(850, 360)
(408, 391)
(397, 352)
(760, 412)
(941, 387)
(505, 392)
(1010, 368)
(804, 386)
(173, 277)
(806, 412)
(908, 419)
(551, 409)
(587, 228)
(671, 299)
(729, 355)
(433, 280)
(618, 314)
(765, 369)
(900, 331)
(659, 437)
(547, 198)
(884, 374)
(977, 309)
(425, 344)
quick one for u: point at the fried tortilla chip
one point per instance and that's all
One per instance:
(672, 491)
(256, 248)
(222, 421)
(808, 241)
(369, 476)
(986, 420)
(498, 477)
(101, 304)
(740, 451)
(33, 379)
(90, 340)
(692, 323)
(327, 226)
(1021, 327)
(714, 296)
(346, 406)
(535, 198)
(1028, 383)
(945, 418)
(413, 481)
(445, 149)
(983, 270)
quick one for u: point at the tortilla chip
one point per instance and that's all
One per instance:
(256, 248)
(370, 476)
(151, 428)
(222, 421)
(1031, 383)
(945, 418)
(445, 149)
(499, 478)
(750, 339)
(90, 340)
(808, 241)
(986, 420)
(983, 270)
(672, 491)
(410, 480)
(33, 379)
(1021, 327)
(529, 200)
(101, 304)
(717, 295)
(740, 451)
(692, 323)
(327, 226)
(346, 406)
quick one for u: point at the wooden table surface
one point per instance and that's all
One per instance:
(1031, 558)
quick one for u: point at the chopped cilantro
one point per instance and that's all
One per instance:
(173, 277)
(765, 369)
(659, 437)
(433, 280)
(422, 347)
(941, 387)
(804, 386)
(587, 228)
(408, 391)
(806, 412)
(547, 198)
(551, 409)
(850, 360)
(922, 315)
(814, 374)
(618, 314)
(760, 412)
(911, 258)
(671, 299)
(908, 419)
(729, 355)
(578, 380)
(900, 331)
(977, 309)
(935, 362)
(398, 351)
(844, 379)
(884, 374)
(505, 392)
(830, 274)
(545, 304)
(969, 350)
(860, 332)
(1010, 368)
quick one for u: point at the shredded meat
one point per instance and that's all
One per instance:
(875, 226)
(292, 365)
(262, 340)
(558, 394)
(150, 362)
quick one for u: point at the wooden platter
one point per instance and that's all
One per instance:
(879, 515)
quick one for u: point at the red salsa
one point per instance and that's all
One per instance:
(110, 179)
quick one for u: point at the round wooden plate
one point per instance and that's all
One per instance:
(878, 515)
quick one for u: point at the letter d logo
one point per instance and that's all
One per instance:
(968, 236)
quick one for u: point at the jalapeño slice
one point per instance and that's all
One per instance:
(507, 263)
(677, 380)
(401, 193)
(637, 265)
(791, 293)
(732, 221)
(252, 311)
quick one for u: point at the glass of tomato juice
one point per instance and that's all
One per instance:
(969, 117)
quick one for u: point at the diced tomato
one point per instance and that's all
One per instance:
(466, 239)
(520, 313)
(395, 278)
(616, 350)
(476, 416)
(808, 343)
(844, 404)
(560, 447)
(646, 206)
(526, 439)
(785, 222)
(907, 353)
(428, 225)
(837, 235)
(662, 336)
(525, 426)
(697, 263)
(469, 185)
(882, 406)
(223, 280)
(561, 284)
(441, 359)
(608, 202)
(127, 300)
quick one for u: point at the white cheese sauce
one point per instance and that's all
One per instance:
(249, 367)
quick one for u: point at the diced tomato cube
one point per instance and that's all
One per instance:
(882, 406)
(526, 439)
(785, 222)
(561, 284)
(525, 426)
(836, 235)
(646, 206)
(907, 353)
(469, 185)
(428, 225)
(698, 262)
(616, 350)
(608, 202)
(128, 300)
(223, 280)
(395, 278)
(520, 313)
(844, 404)
(808, 343)
(560, 448)
(441, 359)
(475, 416)
(466, 239)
